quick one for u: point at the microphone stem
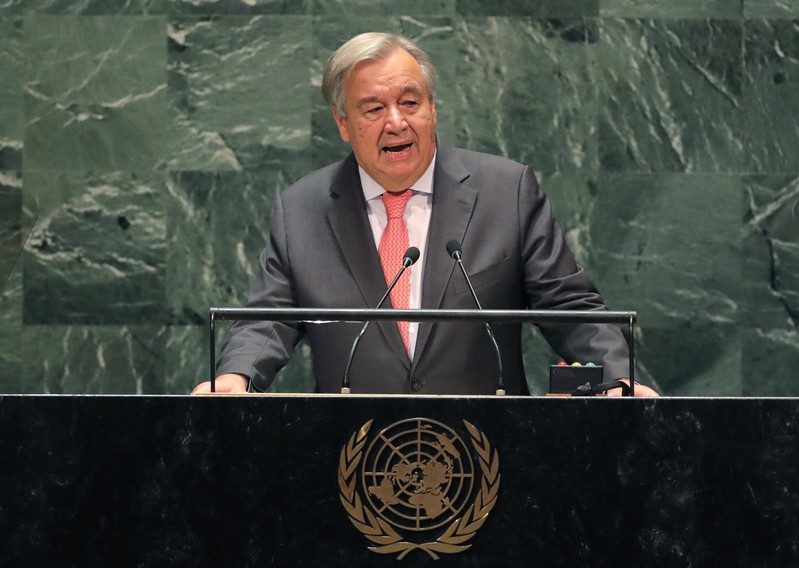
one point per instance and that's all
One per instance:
(345, 384)
(501, 382)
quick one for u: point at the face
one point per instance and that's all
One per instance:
(391, 121)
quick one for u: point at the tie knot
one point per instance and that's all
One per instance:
(396, 202)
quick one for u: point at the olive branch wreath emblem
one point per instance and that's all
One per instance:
(386, 539)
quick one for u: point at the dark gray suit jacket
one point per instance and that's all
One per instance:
(321, 254)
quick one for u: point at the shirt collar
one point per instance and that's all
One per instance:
(372, 189)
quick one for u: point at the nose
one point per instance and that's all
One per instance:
(395, 121)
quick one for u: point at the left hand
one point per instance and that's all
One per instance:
(640, 390)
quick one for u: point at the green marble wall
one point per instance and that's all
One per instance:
(142, 143)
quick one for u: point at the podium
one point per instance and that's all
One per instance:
(257, 480)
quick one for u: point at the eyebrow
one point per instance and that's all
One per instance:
(413, 89)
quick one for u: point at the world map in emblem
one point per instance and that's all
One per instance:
(417, 474)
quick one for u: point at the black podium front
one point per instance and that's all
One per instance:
(272, 481)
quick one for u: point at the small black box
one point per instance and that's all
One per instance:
(564, 379)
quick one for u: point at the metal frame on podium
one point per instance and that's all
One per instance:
(328, 315)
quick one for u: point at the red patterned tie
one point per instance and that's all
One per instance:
(393, 245)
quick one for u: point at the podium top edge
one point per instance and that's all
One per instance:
(336, 315)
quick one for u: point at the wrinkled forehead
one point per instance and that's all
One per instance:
(405, 73)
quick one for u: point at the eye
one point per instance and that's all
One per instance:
(373, 110)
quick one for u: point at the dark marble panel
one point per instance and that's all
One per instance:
(12, 377)
(252, 481)
(186, 357)
(523, 90)
(97, 252)
(682, 9)
(97, 359)
(218, 224)
(769, 360)
(537, 8)
(669, 246)
(771, 8)
(297, 376)
(360, 8)
(188, 362)
(155, 7)
(237, 7)
(538, 356)
(240, 91)
(16, 220)
(11, 101)
(10, 288)
(771, 96)
(95, 93)
(574, 197)
(697, 359)
(670, 95)
(770, 252)
(11, 231)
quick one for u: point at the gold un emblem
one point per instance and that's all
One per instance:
(416, 479)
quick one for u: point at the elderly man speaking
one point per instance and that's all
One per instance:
(339, 234)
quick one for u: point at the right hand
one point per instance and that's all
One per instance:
(229, 383)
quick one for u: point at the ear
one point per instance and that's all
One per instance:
(342, 125)
(435, 116)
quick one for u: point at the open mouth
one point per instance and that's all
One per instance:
(397, 149)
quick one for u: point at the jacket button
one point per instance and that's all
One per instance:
(416, 386)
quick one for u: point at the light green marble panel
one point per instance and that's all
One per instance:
(670, 95)
(97, 252)
(82, 7)
(788, 9)
(523, 91)
(240, 90)
(771, 96)
(675, 9)
(537, 8)
(63, 359)
(11, 101)
(669, 246)
(95, 93)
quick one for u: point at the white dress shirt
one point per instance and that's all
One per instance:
(417, 219)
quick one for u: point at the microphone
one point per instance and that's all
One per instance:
(454, 250)
(411, 256)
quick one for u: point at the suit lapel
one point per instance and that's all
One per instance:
(350, 225)
(453, 204)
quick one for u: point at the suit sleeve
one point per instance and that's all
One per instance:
(554, 281)
(259, 350)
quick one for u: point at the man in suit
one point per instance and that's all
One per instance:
(328, 248)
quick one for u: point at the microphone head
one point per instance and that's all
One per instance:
(454, 249)
(411, 256)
